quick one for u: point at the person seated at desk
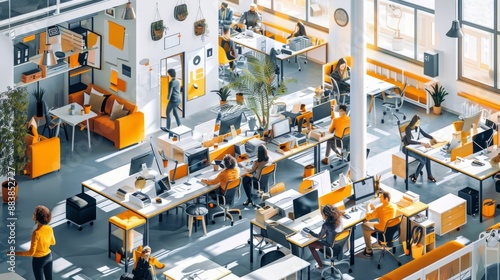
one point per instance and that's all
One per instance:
(144, 266)
(332, 225)
(252, 19)
(229, 173)
(254, 172)
(338, 125)
(341, 73)
(228, 45)
(225, 15)
(413, 133)
(300, 30)
(384, 212)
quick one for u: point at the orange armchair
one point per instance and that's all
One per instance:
(43, 156)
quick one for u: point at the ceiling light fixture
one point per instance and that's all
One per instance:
(455, 30)
(128, 13)
(48, 57)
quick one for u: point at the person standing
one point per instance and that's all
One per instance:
(174, 98)
(337, 127)
(225, 15)
(41, 240)
(262, 161)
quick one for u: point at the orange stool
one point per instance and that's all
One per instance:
(126, 221)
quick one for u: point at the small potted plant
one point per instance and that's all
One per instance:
(38, 94)
(438, 93)
(224, 92)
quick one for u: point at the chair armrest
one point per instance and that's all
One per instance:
(130, 129)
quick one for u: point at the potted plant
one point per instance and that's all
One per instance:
(260, 87)
(438, 93)
(392, 21)
(38, 94)
(13, 132)
(224, 92)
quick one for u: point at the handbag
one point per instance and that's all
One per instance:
(157, 26)
(180, 10)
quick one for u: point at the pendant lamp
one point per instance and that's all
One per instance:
(128, 13)
(455, 30)
(48, 57)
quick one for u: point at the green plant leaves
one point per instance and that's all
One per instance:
(438, 93)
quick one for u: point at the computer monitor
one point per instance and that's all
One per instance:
(322, 111)
(227, 121)
(281, 128)
(305, 204)
(482, 140)
(363, 188)
(490, 123)
(204, 131)
(162, 185)
(470, 120)
(136, 162)
(197, 159)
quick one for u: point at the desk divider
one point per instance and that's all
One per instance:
(335, 197)
(462, 151)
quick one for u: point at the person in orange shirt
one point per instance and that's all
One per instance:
(383, 213)
(41, 240)
(337, 127)
(229, 173)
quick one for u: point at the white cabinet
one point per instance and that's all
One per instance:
(448, 212)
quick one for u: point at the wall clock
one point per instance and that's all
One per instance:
(341, 17)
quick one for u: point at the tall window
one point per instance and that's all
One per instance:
(401, 28)
(314, 12)
(478, 49)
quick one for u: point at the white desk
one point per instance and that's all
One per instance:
(279, 269)
(63, 115)
(198, 267)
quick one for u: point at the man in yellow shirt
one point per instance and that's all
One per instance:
(337, 127)
(383, 213)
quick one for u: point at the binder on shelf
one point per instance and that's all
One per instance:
(17, 55)
(22, 53)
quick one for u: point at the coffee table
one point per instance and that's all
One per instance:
(63, 115)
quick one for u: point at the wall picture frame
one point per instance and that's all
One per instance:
(110, 12)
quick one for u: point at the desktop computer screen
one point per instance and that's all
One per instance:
(227, 121)
(281, 128)
(305, 204)
(482, 140)
(322, 111)
(197, 159)
(363, 188)
(470, 120)
(136, 162)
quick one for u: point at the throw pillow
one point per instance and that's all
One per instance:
(116, 107)
(95, 102)
(118, 114)
(86, 98)
(95, 91)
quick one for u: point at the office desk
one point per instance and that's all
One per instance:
(264, 44)
(198, 267)
(479, 173)
(279, 269)
(63, 115)
(108, 183)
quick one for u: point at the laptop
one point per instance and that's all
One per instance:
(162, 187)
(450, 146)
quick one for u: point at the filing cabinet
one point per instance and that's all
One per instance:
(448, 213)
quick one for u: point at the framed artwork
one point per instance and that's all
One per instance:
(94, 45)
(195, 61)
(110, 12)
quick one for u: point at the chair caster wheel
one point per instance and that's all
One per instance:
(404, 117)
(395, 177)
(399, 264)
(398, 122)
(213, 222)
(384, 113)
(91, 223)
(305, 62)
(300, 70)
(378, 266)
(248, 241)
(260, 252)
(240, 217)
(382, 121)
(350, 270)
(67, 222)
(232, 223)
(80, 228)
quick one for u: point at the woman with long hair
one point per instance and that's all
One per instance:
(413, 134)
(254, 172)
(342, 72)
(331, 226)
(300, 30)
(41, 240)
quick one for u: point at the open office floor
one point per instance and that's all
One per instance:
(83, 254)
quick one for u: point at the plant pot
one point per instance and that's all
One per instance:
(437, 110)
(39, 109)
(5, 191)
(222, 102)
(252, 123)
(165, 163)
(397, 44)
(239, 98)
(86, 108)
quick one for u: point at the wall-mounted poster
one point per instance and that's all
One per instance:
(195, 61)
(95, 46)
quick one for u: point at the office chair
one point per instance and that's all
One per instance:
(268, 172)
(341, 147)
(225, 200)
(303, 121)
(338, 95)
(496, 178)
(270, 257)
(223, 62)
(393, 107)
(51, 122)
(388, 237)
(342, 241)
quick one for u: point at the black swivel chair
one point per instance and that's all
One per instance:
(270, 257)
(388, 237)
(50, 122)
(225, 200)
(336, 258)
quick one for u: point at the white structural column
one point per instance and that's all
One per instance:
(358, 98)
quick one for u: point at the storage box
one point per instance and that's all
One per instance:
(32, 75)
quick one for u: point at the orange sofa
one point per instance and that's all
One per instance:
(43, 157)
(124, 131)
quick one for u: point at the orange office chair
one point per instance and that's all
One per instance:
(225, 200)
(223, 62)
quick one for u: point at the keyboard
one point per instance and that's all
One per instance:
(284, 229)
(164, 195)
(282, 139)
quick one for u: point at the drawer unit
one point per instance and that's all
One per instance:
(448, 212)
(428, 236)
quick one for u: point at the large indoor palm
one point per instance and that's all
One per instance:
(259, 86)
